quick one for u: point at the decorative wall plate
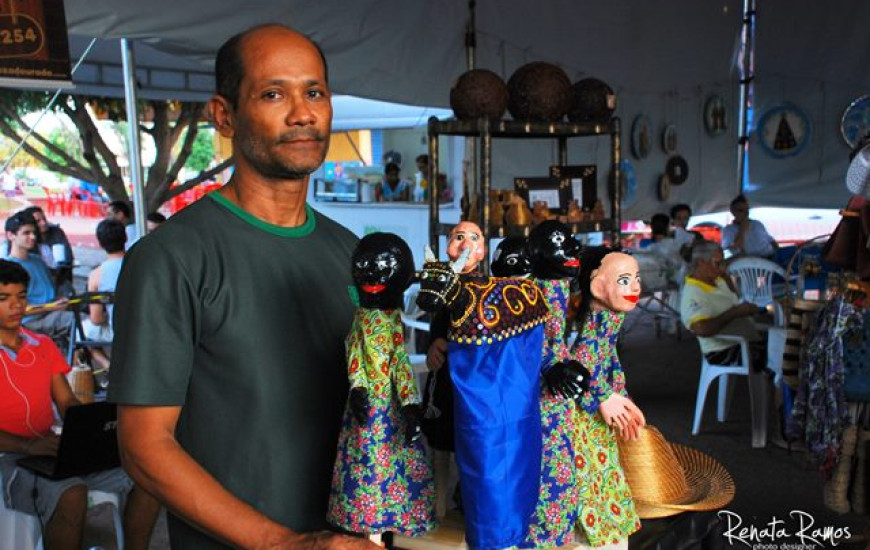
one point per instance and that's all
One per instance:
(715, 115)
(783, 131)
(664, 190)
(641, 137)
(855, 123)
(669, 139)
(677, 170)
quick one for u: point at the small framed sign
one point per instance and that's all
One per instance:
(583, 180)
(554, 192)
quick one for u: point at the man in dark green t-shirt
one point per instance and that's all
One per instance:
(228, 361)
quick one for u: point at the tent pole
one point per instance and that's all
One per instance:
(134, 147)
(471, 143)
(747, 75)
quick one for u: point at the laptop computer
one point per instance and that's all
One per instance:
(88, 443)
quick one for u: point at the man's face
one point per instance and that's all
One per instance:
(25, 238)
(392, 177)
(113, 214)
(740, 211)
(13, 302)
(681, 218)
(713, 268)
(466, 235)
(282, 122)
(616, 283)
(41, 222)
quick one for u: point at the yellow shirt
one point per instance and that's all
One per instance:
(701, 301)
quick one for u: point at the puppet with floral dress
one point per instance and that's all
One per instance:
(609, 283)
(382, 480)
(554, 256)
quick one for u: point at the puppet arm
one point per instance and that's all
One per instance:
(358, 400)
(567, 379)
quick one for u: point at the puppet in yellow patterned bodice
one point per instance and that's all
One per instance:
(382, 480)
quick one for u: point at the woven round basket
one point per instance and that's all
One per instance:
(667, 478)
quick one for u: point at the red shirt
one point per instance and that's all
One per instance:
(25, 385)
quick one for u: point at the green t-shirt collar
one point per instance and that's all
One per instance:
(298, 231)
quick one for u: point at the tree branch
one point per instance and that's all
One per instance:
(10, 113)
(76, 171)
(204, 175)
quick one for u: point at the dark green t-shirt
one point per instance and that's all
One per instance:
(243, 324)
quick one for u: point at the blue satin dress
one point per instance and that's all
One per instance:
(496, 378)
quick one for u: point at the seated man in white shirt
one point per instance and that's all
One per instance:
(710, 306)
(680, 216)
(666, 248)
(745, 237)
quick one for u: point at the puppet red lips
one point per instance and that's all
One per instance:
(373, 289)
(572, 263)
(631, 298)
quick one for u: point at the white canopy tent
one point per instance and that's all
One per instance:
(664, 58)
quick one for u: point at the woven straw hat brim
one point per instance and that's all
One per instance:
(711, 486)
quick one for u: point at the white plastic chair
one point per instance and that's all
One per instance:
(754, 280)
(22, 531)
(757, 390)
(411, 319)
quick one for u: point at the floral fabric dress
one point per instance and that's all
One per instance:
(379, 482)
(606, 513)
(558, 499)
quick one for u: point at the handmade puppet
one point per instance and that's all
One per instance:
(511, 258)
(609, 283)
(554, 256)
(438, 420)
(494, 346)
(381, 480)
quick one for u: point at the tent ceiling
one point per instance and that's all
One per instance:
(663, 57)
(410, 52)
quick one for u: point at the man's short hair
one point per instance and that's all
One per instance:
(155, 217)
(677, 208)
(701, 250)
(659, 224)
(111, 235)
(12, 273)
(229, 68)
(739, 199)
(122, 207)
(33, 210)
(19, 219)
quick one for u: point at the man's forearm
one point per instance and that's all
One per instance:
(11, 443)
(713, 325)
(163, 468)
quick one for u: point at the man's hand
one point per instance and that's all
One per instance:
(359, 404)
(325, 540)
(567, 379)
(437, 354)
(622, 414)
(47, 445)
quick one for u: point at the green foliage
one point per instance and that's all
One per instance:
(68, 143)
(202, 152)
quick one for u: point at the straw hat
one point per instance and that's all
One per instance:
(666, 478)
(858, 175)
